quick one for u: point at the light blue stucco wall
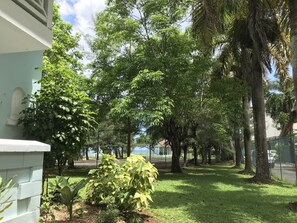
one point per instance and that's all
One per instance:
(16, 70)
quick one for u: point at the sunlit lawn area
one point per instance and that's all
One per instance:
(215, 194)
(219, 194)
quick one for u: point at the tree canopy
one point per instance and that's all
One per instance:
(183, 71)
(60, 112)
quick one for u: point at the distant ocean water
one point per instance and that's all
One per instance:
(137, 150)
(140, 150)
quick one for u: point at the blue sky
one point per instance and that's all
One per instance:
(81, 14)
(78, 12)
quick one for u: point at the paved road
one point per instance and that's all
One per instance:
(285, 172)
(85, 163)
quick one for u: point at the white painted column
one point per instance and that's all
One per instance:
(22, 160)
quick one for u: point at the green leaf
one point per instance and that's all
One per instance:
(66, 195)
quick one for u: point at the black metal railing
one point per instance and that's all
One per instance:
(281, 157)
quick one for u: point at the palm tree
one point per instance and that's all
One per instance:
(287, 12)
(256, 28)
(258, 55)
(292, 6)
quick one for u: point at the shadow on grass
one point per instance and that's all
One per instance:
(220, 194)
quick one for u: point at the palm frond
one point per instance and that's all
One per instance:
(205, 18)
(263, 29)
(280, 58)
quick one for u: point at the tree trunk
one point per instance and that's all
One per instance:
(204, 155)
(232, 148)
(288, 127)
(129, 139)
(237, 147)
(262, 167)
(176, 151)
(218, 154)
(116, 152)
(185, 149)
(247, 134)
(122, 152)
(247, 76)
(195, 150)
(209, 154)
(61, 162)
(71, 163)
(150, 152)
(87, 153)
(293, 42)
(173, 137)
(97, 153)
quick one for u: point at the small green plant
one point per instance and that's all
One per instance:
(109, 215)
(4, 189)
(46, 209)
(127, 187)
(67, 192)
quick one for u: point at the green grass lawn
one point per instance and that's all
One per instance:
(217, 194)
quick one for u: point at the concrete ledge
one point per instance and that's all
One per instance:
(36, 173)
(30, 189)
(22, 161)
(11, 160)
(33, 159)
(30, 217)
(8, 145)
(34, 203)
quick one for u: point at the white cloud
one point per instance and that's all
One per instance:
(65, 7)
(83, 13)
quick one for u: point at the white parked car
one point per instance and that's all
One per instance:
(271, 158)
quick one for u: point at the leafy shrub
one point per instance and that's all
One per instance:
(127, 187)
(135, 218)
(109, 215)
(102, 186)
(66, 193)
(141, 175)
(4, 189)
